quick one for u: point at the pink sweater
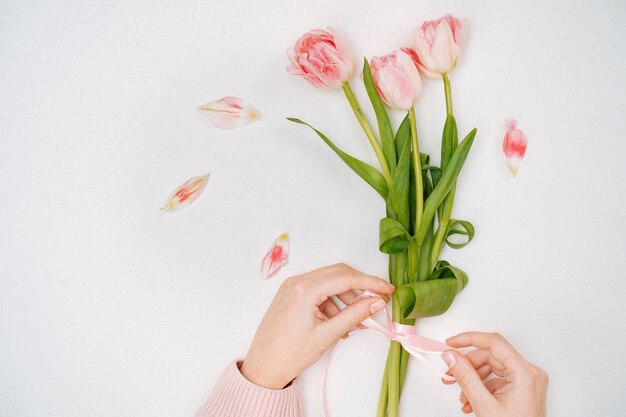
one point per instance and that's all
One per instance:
(235, 396)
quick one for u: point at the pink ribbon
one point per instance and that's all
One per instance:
(417, 346)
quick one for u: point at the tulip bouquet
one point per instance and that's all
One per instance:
(418, 195)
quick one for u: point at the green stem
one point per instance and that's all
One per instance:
(404, 360)
(394, 367)
(413, 253)
(448, 91)
(384, 390)
(368, 132)
(417, 168)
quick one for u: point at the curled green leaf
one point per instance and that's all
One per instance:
(434, 296)
(459, 227)
(393, 237)
(426, 298)
(443, 269)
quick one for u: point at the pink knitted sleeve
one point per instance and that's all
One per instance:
(235, 396)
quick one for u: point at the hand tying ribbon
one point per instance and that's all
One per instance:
(416, 346)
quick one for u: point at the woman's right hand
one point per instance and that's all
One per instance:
(303, 321)
(519, 389)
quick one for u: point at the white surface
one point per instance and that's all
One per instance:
(110, 307)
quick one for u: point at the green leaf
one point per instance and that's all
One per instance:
(459, 227)
(384, 125)
(448, 179)
(434, 296)
(403, 134)
(443, 269)
(426, 298)
(370, 174)
(398, 197)
(449, 141)
(425, 252)
(435, 174)
(393, 237)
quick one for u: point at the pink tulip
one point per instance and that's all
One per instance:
(322, 58)
(514, 145)
(437, 45)
(229, 112)
(396, 79)
(276, 257)
(186, 194)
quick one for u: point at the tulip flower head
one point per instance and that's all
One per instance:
(322, 58)
(437, 45)
(396, 79)
(514, 145)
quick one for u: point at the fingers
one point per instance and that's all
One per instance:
(338, 279)
(495, 384)
(481, 358)
(350, 317)
(492, 386)
(347, 297)
(483, 372)
(470, 382)
(499, 348)
(466, 407)
(329, 308)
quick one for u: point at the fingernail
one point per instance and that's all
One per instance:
(377, 306)
(449, 359)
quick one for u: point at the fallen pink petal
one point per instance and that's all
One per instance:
(229, 112)
(186, 194)
(514, 145)
(276, 257)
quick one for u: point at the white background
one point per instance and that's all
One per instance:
(111, 307)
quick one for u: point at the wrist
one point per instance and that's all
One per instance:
(264, 375)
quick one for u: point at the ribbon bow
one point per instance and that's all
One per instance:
(406, 335)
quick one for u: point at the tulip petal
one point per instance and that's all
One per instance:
(344, 52)
(186, 194)
(514, 145)
(408, 67)
(229, 112)
(276, 257)
(442, 49)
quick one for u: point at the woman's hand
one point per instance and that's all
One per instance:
(303, 321)
(519, 390)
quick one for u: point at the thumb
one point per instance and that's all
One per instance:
(352, 315)
(469, 380)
